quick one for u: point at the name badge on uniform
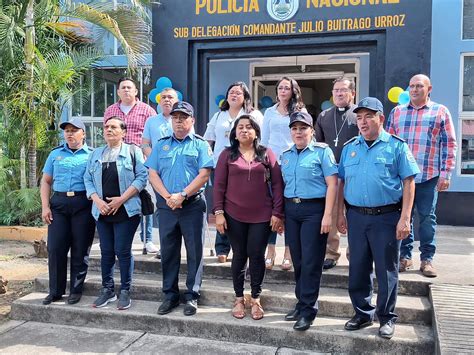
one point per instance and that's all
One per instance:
(285, 161)
(353, 154)
(226, 134)
(59, 157)
(166, 147)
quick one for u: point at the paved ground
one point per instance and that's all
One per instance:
(454, 261)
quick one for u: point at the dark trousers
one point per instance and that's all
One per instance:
(222, 244)
(372, 239)
(248, 241)
(307, 248)
(116, 240)
(72, 228)
(187, 223)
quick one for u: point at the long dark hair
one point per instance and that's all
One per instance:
(247, 105)
(260, 150)
(296, 102)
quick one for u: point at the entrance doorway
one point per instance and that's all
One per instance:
(314, 74)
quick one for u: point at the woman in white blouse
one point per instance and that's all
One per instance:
(237, 103)
(276, 136)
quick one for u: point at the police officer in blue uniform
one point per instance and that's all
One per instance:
(67, 213)
(179, 168)
(377, 173)
(309, 171)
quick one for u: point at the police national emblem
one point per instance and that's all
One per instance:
(282, 10)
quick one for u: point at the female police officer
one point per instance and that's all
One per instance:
(310, 175)
(68, 213)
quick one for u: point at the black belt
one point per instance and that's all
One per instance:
(70, 193)
(300, 200)
(192, 199)
(374, 211)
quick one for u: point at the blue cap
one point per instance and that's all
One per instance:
(184, 107)
(76, 122)
(302, 117)
(370, 103)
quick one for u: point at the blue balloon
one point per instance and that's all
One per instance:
(180, 95)
(266, 101)
(152, 95)
(404, 98)
(219, 98)
(163, 83)
(326, 104)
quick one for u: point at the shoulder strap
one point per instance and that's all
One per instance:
(132, 154)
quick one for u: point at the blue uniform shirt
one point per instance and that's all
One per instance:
(374, 176)
(157, 127)
(304, 173)
(178, 163)
(67, 168)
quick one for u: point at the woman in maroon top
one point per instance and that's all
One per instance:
(248, 203)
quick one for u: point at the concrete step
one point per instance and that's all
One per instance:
(44, 338)
(338, 277)
(333, 302)
(216, 323)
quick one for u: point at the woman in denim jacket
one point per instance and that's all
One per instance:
(114, 176)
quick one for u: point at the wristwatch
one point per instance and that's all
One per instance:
(184, 194)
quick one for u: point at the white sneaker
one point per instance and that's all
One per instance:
(151, 248)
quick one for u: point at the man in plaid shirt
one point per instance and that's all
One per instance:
(134, 113)
(428, 129)
(131, 110)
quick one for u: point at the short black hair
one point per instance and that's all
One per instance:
(126, 78)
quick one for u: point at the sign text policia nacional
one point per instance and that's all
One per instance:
(280, 12)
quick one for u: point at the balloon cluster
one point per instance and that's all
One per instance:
(398, 95)
(161, 84)
(220, 100)
(266, 102)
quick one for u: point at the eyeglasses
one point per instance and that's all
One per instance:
(285, 88)
(417, 86)
(235, 93)
(343, 91)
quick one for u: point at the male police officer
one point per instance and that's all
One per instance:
(179, 167)
(377, 182)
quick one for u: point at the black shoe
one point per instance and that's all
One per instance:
(74, 298)
(293, 315)
(158, 255)
(50, 298)
(303, 323)
(167, 306)
(329, 264)
(356, 323)
(190, 308)
(387, 330)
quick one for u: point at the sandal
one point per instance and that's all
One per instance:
(286, 264)
(239, 308)
(269, 262)
(256, 309)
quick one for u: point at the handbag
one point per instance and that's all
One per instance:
(147, 204)
(268, 174)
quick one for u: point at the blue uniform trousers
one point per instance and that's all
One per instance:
(372, 239)
(222, 244)
(307, 248)
(72, 228)
(187, 223)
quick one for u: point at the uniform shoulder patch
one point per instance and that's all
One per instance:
(397, 137)
(58, 147)
(351, 140)
(286, 150)
(163, 138)
(321, 145)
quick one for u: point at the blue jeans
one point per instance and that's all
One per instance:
(273, 239)
(116, 240)
(426, 197)
(222, 244)
(147, 222)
